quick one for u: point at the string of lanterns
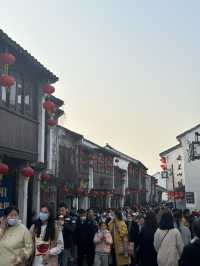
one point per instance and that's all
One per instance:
(6, 60)
(49, 105)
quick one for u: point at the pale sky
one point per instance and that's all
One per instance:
(128, 69)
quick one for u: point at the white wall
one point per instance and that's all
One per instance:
(192, 169)
(172, 160)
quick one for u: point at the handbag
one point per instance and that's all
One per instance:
(131, 249)
(124, 247)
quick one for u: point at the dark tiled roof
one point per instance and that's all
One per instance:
(123, 154)
(56, 100)
(70, 132)
(187, 131)
(21, 51)
(170, 150)
(98, 147)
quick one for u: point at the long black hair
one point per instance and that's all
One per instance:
(50, 229)
(8, 210)
(119, 215)
(177, 214)
(166, 221)
(150, 224)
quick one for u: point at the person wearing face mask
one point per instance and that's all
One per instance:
(48, 239)
(16, 245)
(85, 231)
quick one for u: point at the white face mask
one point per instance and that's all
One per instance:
(83, 218)
(12, 221)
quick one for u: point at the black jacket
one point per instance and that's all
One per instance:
(85, 231)
(146, 253)
(133, 231)
(69, 228)
(191, 254)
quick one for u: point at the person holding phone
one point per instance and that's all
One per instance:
(48, 239)
(16, 245)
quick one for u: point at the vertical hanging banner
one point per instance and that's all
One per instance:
(5, 194)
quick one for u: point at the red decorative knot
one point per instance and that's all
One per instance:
(52, 122)
(27, 171)
(49, 106)
(48, 89)
(7, 81)
(7, 59)
(45, 176)
(3, 169)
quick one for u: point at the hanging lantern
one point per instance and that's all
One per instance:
(27, 172)
(7, 81)
(49, 106)
(45, 177)
(7, 59)
(3, 170)
(48, 89)
(52, 122)
(65, 189)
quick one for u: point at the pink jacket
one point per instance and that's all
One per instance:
(103, 241)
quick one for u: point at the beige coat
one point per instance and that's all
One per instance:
(15, 242)
(169, 246)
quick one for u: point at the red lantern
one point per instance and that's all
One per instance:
(48, 89)
(3, 170)
(94, 157)
(7, 59)
(52, 122)
(49, 106)
(163, 163)
(7, 81)
(45, 177)
(65, 189)
(27, 172)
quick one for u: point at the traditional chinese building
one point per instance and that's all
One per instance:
(23, 132)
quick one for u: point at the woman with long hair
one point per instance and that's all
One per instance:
(168, 242)
(119, 233)
(48, 239)
(147, 254)
(16, 245)
(184, 230)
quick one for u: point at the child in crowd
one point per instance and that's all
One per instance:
(103, 241)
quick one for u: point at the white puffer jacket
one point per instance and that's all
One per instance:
(169, 246)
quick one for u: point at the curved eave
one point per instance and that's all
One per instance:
(28, 57)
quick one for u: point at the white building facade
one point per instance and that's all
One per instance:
(186, 171)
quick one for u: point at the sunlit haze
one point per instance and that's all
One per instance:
(128, 70)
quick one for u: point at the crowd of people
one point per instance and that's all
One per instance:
(137, 237)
